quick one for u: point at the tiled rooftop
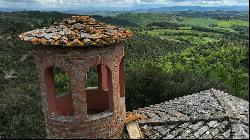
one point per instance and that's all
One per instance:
(210, 114)
(77, 31)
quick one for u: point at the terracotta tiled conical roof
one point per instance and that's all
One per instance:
(77, 31)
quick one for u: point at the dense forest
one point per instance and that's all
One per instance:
(170, 55)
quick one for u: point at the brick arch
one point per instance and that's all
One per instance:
(98, 60)
(76, 63)
(114, 64)
(61, 105)
(101, 98)
(59, 63)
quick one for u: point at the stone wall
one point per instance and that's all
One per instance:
(75, 62)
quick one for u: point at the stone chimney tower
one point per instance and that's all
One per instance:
(74, 46)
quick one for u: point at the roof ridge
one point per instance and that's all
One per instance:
(230, 110)
(228, 107)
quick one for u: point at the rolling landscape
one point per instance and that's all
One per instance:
(171, 54)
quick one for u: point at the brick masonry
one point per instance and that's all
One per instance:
(75, 62)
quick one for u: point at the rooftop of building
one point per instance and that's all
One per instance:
(210, 114)
(77, 31)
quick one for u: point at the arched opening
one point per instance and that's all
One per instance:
(121, 78)
(91, 78)
(99, 95)
(58, 93)
(62, 82)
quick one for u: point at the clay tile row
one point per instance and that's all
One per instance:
(77, 31)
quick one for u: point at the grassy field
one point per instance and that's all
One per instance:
(192, 36)
(232, 22)
(199, 21)
(205, 22)
(183, 30)
(187, 34)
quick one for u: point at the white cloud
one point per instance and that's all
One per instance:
(87, 2)
(118, 3)
(125, 3)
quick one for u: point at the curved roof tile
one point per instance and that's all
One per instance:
(77, 31)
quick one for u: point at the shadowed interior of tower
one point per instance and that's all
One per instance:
(58, 92)
(97, 85)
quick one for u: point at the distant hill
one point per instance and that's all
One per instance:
(135, 9)
(193, 8)
(8, 9)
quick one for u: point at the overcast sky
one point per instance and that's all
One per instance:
(115, 3)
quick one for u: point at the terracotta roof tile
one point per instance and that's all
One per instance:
(77, 31)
